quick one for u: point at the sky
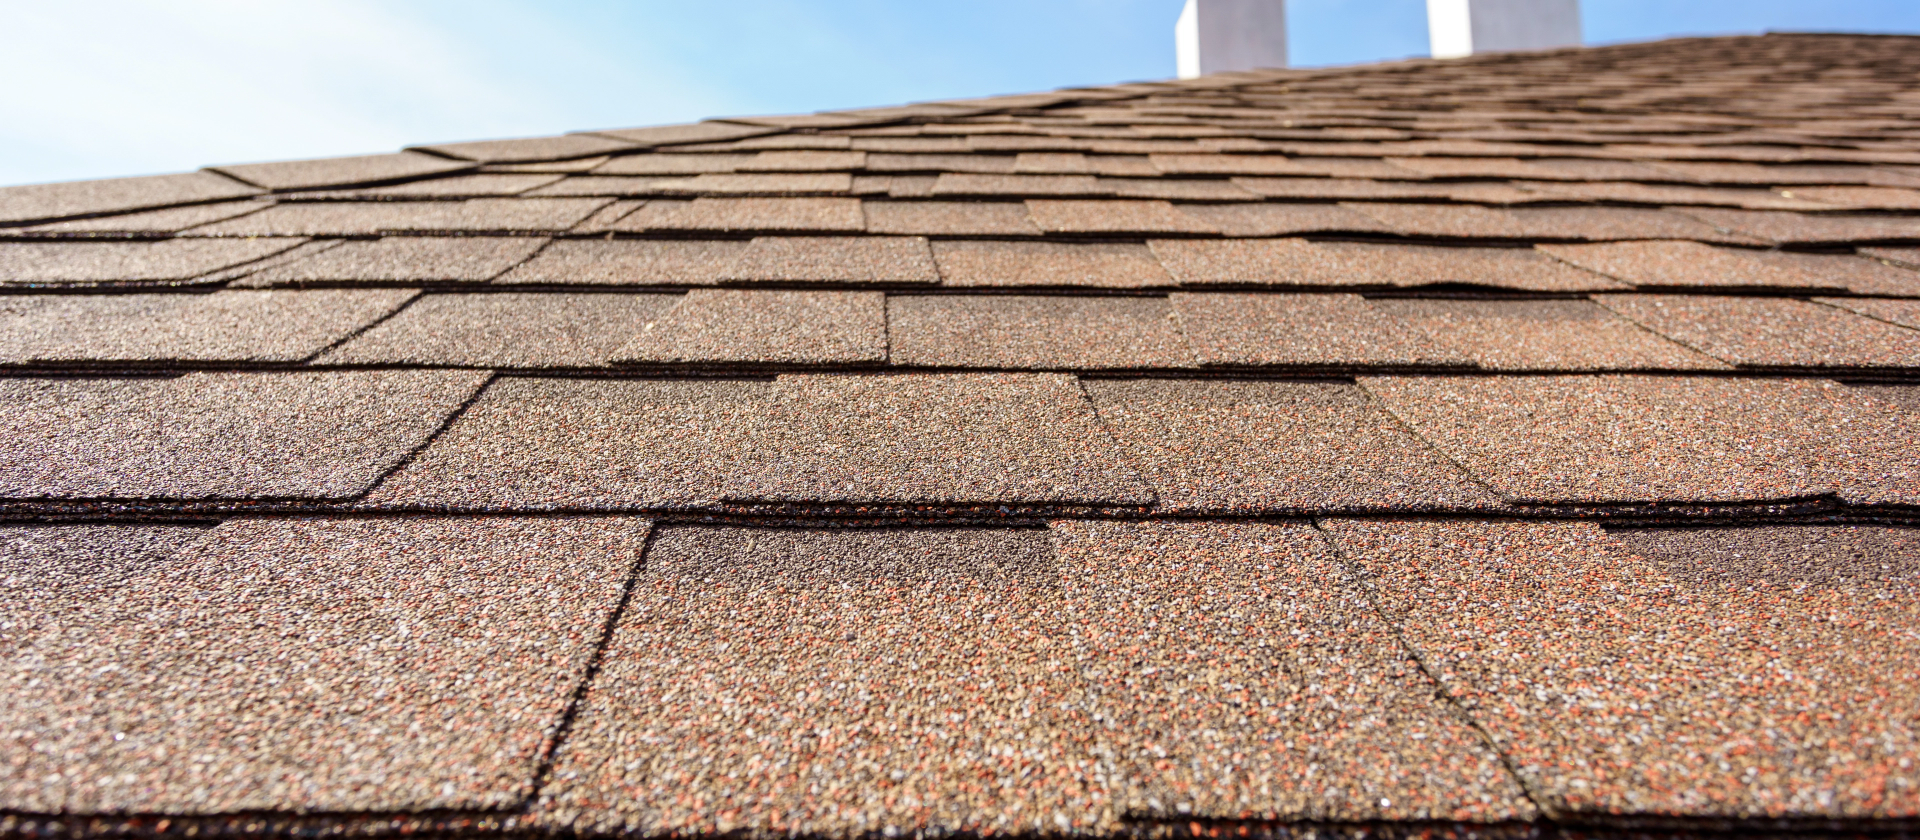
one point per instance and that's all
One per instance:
(107, 88)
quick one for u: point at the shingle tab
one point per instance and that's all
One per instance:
(628, 263)
(519, 150)
(451, 187)
(950, 218)
(1461, 221)
(1210, 446)
(340, 171)
(231, 325)
(840, 259)
(1021, 331)
(824, 215)
(1771, 331)
(1241, 330)
(1622, 438)
(1283, 219)
(673, 135)
(766, 327)
(1844, 271)
(1303, 263)
(758, 183)
(299, 665)
(505, 329)
(657, 164)
(168, 220)
(987, 621)
(935, 439)
(1604, 224)
(350, 218)
(1543, 335)
(1100, 265)
(414, 259)
(110, 263)
(1629, 675)
(1906, 312)
(112, 195)
(584, 444)
(1684, 265)
(219, 435)
(1114, 217)
(1780, 226)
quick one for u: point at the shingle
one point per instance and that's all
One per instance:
(1543, 335)
(950, 218)
(804, 161)
(1448, 220)
(1104, 265)
(1623, 438)
(763, 326)
(626, 262)
(601, 221)
(115, 195)
(1671, 264)
(519, 150)
(935, 439)
(1282, 219)
(977, 619)
(1812, 559)
(1601, 224)
(657, 164)
(40, 565)
(607, 185)
(169, 220)
(229, 325)
(1617, 683)
(782, 142)
(95, 263)
(1676, 194)
(700, 132)
(758, 183)
(841, 259)
(1175, 189)
(1301, 330)
(299, 665)
(551, 167)
(996, 186)
(1906, 313)
(345, 218)
(1019, 331)
(1755, 331)
(584, 444)
(340, 171)
(1114, 217)
(825, 215)
(407, 259)
(1781, 226)
(1870, 198)
(1299, 262)
(456, 186)
(1844, 271)
(938, 163)
(505, 329)
(235, 274)
(955, 146)
(1763, 175)
(1262, 447)
(211, 435)
(1333, 189)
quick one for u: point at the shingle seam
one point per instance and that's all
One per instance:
(446, 423)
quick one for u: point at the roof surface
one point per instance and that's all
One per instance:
(1518, 445)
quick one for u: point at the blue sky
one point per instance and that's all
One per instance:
(101, 88)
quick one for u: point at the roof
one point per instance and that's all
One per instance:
(1511, 445)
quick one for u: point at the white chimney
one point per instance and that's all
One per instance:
(1459, 28)
(1219, 36)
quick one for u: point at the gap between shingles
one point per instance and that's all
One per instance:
(1547, 815)
(451, 418)
(543, 771)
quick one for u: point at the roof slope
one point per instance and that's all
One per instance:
(1509, 445)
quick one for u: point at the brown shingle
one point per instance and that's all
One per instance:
(932, 439)
(471, 259)
(656, 164)
(1614, 691)
(1781, 226)
(169, 220)
(758, 183)
(1299, 262)
(1601, 224)
(1114, 217)
(1658, 194)
(1301, 330)
(1265, 447)
(112, 195)
(456, 186)
(607, 185)
(996, 186)
(219, 435)
(478, 215)
(563, 147)
(1771, 331)
(769, 327)
(96, 263)
(505, 329)
(1669, 264)
(340, 171)
(804, 161)
(1176, 189)
(842, 259)
(825, 215)
(1543, 335)
(1865, 198)
(299, 665)
(1843, 271)
(1106, 265)
(231, 325)
(1625, 438)
(700, 132)
(625, 262)
(950, 218)
(1447, 220)
(1018, 331)
(1282, 219)
(978, 619)
(1906, 313)
(988, 164)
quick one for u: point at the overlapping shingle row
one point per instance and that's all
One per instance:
(1522, 445)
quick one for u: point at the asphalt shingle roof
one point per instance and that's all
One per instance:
(1522, 444)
